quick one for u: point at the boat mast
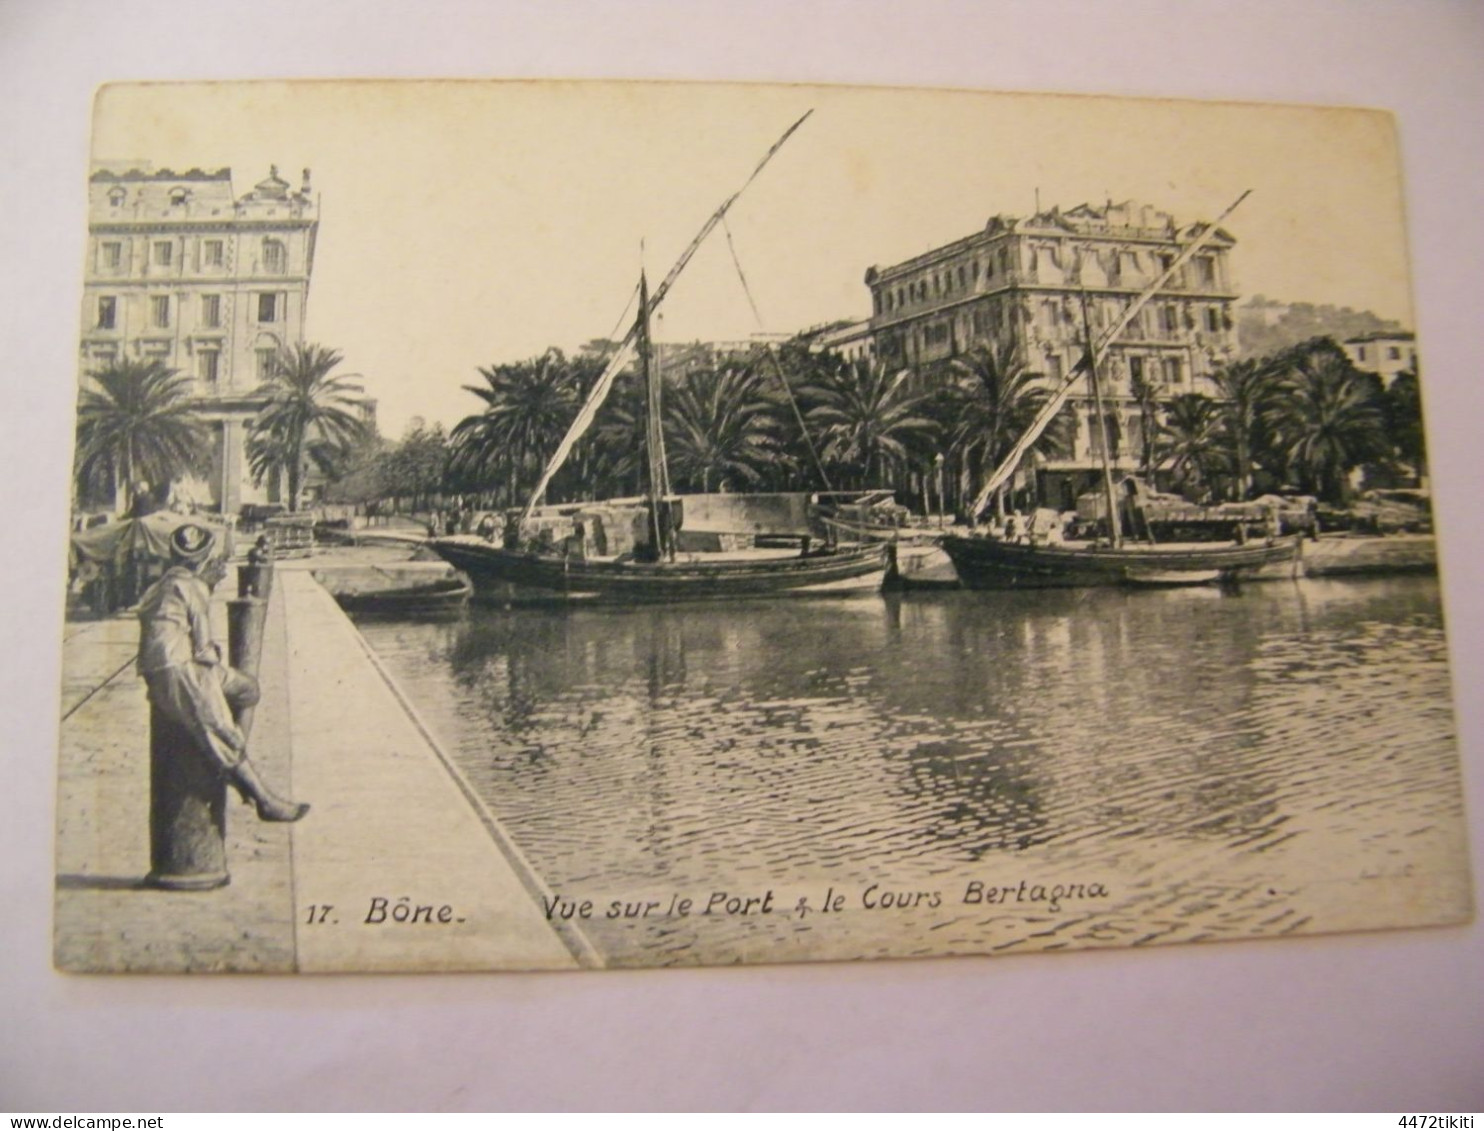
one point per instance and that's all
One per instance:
(1115, 525)
(620, 358)
(653, 436)
(1058, 398)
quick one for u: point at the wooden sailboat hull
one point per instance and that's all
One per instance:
(514, 575)
(984, 563)
(443, 595)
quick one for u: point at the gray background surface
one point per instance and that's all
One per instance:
(1373, 1021)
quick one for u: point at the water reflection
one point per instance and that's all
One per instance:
(921, 736)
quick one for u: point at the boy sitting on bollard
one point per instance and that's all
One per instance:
(183, 669)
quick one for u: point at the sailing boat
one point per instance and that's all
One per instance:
(652, 567)
(985, 562)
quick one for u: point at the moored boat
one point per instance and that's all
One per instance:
(646, 553)
(441, 595)
(991, 563)
(533, 576)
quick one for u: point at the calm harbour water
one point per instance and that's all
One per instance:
(1215, 762)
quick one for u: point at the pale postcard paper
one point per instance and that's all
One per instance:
(684, 524)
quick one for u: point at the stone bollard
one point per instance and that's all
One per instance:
(188, 797)
(187, 811)
(246, 617)
(255, 580)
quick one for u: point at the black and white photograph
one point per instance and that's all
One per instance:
(543, 525)
(533, 584)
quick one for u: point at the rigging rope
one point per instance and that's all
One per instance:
(600, 390)
(767, 348)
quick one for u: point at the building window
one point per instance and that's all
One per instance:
(1213, 319)
(211, 311)
(1205, 268)
(211, 253)
(1109, 428)
(111, 255)
(963, 278)
(1393, 353)
(1172, 374)
(210, 366)
(116, 197)
(1054, 369)
(267, 307)
(265, 364)
(1135, 369)
(1168, 319)
(275, 258)
(178, 197)
(159, 311)
(107, 312)
(164, 253)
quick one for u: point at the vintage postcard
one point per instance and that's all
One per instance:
(544, 525)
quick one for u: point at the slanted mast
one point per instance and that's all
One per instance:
(625, 350)
(1054, 403)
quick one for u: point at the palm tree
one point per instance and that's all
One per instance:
(993, 402)
(138, 426)
(1328, 419)
(1189, 441)
(719, 424)
(527, 408)
(311, 418)
(1246, 390)
(1146, 395)
(867, 417)
(1404, 420)
(618, 437)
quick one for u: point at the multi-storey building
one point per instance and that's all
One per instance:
(1022, 282)
(181, 269)
(1384, 352)
(851, 340)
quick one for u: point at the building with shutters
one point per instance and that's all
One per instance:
(1386, 353)
(182, 269)
(1021, 281)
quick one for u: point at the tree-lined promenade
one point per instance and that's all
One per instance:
(140, 428)
(1304, 419)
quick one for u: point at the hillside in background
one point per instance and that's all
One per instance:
(1265, 326)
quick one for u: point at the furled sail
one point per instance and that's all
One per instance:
(625, 350)
(1054, 404)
